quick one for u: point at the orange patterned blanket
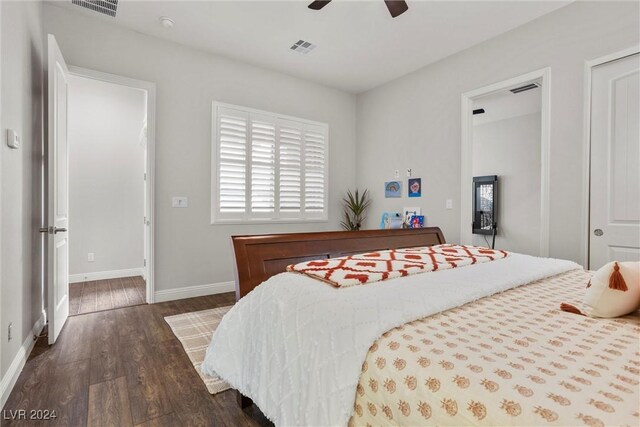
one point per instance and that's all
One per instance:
(382, 265)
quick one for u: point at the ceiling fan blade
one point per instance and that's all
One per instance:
(319, 4)
(396, 7)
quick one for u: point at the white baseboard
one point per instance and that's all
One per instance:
(11, 376)
(193, 291)
(102, 275)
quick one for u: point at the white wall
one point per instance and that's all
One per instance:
(106, 166)
(21, 174)
(188, 250)
(414, 122)
(510, 148)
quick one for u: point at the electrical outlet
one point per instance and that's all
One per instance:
(179, 202)
(409, 173)
(396, 173)
(449, 204)
(9, 332)
(91, 257)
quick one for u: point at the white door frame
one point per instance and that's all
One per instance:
(150, 89)
(586, 166)
(1, 129)
(466, 217)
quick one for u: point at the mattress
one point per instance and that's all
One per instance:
(511, 358)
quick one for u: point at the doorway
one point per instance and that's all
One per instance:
(506, 144)
(614, 159)
(508, 137)
(109, 192)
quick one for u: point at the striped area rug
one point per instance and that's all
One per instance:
(194, 330)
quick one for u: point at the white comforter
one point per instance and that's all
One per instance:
(295, 345)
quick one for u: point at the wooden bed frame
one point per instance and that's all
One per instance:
(259, 257)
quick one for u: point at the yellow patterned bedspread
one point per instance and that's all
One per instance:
(510, 359)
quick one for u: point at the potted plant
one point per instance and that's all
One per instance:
(355, 205)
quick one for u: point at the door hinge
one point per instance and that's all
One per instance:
(145, 176)
(144, 263)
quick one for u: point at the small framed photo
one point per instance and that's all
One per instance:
(409, 213)
(393, 189)
(417, 221)
(391, 220)
(415, 187)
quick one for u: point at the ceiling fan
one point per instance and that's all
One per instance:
(396, 7)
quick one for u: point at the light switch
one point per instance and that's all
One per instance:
(13, 139)
(91, 257)
(179, 202)
(449, 204)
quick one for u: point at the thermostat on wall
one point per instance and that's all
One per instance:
(13, 140)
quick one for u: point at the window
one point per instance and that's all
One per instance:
(267, 167)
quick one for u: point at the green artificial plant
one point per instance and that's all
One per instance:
(355, 206)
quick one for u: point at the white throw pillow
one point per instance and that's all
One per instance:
(613, 291)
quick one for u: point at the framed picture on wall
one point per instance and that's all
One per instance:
(393, 189)
(415, 187)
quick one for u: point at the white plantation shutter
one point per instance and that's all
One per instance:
(269, 167)
(263, 165)
(290, 195)
(314, 170)
(232, 161)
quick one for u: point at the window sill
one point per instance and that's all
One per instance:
(264, 221)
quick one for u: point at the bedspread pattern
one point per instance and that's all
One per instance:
(373, 267)
(509, 359)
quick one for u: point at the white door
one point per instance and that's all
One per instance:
(58, 192)
(615, 162)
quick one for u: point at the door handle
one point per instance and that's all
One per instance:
(52, 230)
(598, 232)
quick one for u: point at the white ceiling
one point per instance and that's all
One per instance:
(505, 105)
(359, 45)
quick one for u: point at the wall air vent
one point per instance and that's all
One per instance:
(524, 88)
(303, 47)
(106, 7)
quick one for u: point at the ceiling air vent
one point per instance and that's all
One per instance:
(106, 7)
(303, 46)
(524, 88)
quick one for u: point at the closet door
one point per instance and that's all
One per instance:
(615, 162)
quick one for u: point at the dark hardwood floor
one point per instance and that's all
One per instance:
(99, 295)
(123, 367)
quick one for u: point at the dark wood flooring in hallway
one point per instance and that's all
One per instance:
(124, 367)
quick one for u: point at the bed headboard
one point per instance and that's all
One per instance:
(262, 256)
